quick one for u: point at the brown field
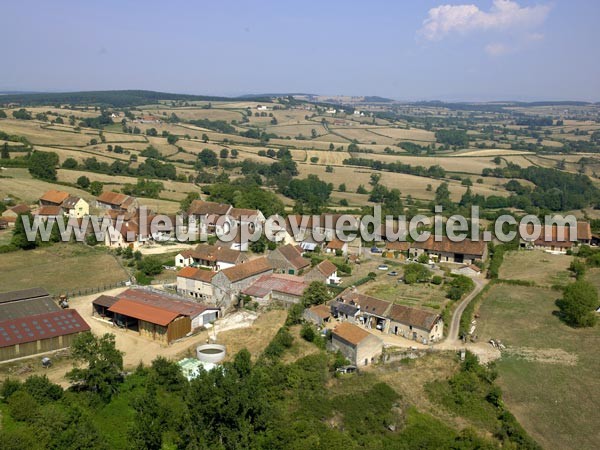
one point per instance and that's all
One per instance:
(413, 134)
(408, 184)
(295, 130)
(80, 267)
(33, 131)
(327, 157)
(543, 269)
(28, 190)
(363, 136)
(194, 114)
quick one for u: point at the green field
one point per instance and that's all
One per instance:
(59, 268)
(549, 372)
(542, 268)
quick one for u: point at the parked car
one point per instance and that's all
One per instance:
(347, 369)
(382, 267)
(393, 273)
(376, 250)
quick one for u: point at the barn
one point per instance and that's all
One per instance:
(155, 315)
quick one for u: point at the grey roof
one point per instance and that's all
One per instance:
(13, 296)
(28, 307)
(344, 308)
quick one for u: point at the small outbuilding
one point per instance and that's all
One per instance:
(356, 344)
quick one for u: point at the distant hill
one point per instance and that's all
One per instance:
(104, 98)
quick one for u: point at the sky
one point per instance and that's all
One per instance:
(465, 50)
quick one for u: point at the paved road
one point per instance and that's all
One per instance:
(455, 322)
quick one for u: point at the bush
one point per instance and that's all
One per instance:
(437, 280)
(308, 333)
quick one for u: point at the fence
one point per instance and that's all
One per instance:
(97, 289)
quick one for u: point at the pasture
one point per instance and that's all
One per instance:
(543, 269)
(59, 268)
(549, 371)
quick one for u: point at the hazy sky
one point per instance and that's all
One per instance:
(403, 49)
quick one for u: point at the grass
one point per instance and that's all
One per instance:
(542, 268)
(419, 295)
(549, 373)
(59, 268)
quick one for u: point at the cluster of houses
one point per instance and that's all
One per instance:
(223, 276)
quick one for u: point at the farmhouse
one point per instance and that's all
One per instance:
(116, 201)
(246, 217)
(215, 257)
(336, 246)
(345, 312)
(204, 217)
(555, 238)
(372, 311)
(196, 283)
(288, 259)
(285, 289)
(75, 207)
(49, 212)
(464, 252)
(228, 283)
(11, 214)
(356, 344)
(154, 315)
(319, 315)
(53, 198)
(470, 270)
(415, 324)
(321, 228)
(32, 323)
(325, 271)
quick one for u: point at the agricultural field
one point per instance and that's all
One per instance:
(80, 267)
(549, 371)
(543, 269)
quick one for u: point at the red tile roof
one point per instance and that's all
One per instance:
(49, 210)
(368, 304)
(143, 312)
(350, 333)
(200, 208)
(246, 270)
(20, 209)
(54, 196)
(286, 284)
(412, 316)
(194, 273)
(41, 326)
(322, 311)
(466, 247)
(294, 256)
(215, 253)
(326, 267)
(335, 244)
(559, 236)
(114, 198)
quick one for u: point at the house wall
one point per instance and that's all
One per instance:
(418, 334)
(194, 288)
(81, 209)
(225, 292)
(286, 299)
(368, 349)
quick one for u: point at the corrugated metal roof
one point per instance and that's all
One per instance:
(143, 312)
(164, 301)
(22, 294)
(41, 326)
(27, 307)
(105, 300)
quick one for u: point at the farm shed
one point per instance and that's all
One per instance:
(318, 314)
(24, 303)
(155, 315)
(356, 344)
(39, 333)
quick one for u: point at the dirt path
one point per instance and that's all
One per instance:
(458, 312)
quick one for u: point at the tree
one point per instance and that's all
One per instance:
(207, 158)
(171, 139)
(69, 163)
(103, 363)
(187, 201)
(578, 303)
(342, 187)
(42, 165)
(19, 237)
(83, 182)
(234, 153)
(151, 265)
(5, 154)
(96, 188)
(204, 137)
(224, 154)
(315, 294)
